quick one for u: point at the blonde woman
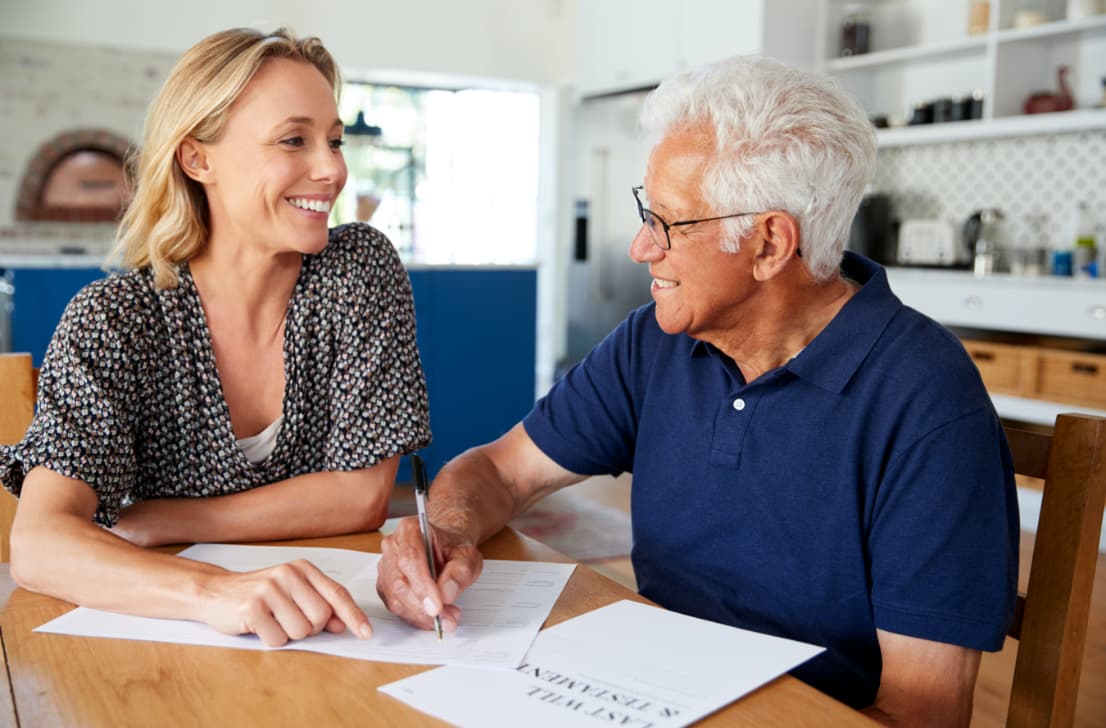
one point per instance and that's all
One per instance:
(252, 375)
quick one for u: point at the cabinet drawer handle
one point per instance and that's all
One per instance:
(983, 356)
(1097, 312)
(973, 302)
(1083, 368)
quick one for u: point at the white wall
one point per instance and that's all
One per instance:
(49, 88)
(528, 40)
(129, 46)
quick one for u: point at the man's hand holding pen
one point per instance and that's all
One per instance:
(409, 580)
(404, 582)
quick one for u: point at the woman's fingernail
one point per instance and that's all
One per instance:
(365, 630)
(450, 591)
(429, 608)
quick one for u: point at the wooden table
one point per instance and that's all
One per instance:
(59, 680)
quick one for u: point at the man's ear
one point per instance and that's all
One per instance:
(192, 158)
(777, 243)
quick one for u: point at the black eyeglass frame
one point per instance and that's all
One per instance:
(642, 210)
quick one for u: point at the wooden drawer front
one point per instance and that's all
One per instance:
(1066, 376)
(1004, 368)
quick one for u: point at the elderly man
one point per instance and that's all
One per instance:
(810, 458)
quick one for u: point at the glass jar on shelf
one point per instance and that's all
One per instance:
(856, 30)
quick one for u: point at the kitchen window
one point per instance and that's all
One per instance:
(450, 176)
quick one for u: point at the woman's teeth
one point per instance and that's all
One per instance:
(313, 205)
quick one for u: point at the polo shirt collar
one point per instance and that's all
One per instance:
(830, 361)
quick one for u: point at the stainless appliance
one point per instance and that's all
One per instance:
(7, 293)
(872, 233)
(932, 243)
(607, 159)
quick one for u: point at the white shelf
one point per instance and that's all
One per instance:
(1005, 126)
(1052, 30)
(908, 53)
(936, 59)
(968, 44)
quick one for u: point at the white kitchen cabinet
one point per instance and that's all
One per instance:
(1013, 304)
(624, 45)
(921, 50)
(1052, 306)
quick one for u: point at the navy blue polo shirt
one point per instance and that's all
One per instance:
(865, 484)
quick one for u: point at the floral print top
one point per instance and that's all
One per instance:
(130, 401)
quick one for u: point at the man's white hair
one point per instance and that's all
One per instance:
(784, 139)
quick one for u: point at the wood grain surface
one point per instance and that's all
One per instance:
(60, 680)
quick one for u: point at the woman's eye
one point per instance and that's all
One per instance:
(296, 141)
(337, 144)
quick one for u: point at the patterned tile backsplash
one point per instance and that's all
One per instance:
(1034, 180)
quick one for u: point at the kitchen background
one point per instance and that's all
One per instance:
(495, 327)
(1033, 179)
(578, 69)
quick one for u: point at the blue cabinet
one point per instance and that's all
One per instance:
(476, 337)
(40, 298)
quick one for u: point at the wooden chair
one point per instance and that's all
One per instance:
(18, 383)
(1051, 620)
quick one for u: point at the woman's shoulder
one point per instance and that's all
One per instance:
(358, 243)
(117, 290)
(119, 300)
(357, 256)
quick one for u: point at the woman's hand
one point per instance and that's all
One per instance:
(281, 603)
(403, 576)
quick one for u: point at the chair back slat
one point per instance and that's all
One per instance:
(1030, 451)
(1057, 604)
(17, 407)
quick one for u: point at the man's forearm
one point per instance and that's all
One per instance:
(471, 498)
(481, 489)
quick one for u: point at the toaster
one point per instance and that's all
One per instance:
(930, 242)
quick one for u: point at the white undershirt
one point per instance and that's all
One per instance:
(258, 447)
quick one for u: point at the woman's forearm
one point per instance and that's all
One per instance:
(57, 550)
(317, 504)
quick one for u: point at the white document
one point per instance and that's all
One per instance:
(502, 611)
(626, 664)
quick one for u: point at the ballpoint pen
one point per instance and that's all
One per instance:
(421, 487)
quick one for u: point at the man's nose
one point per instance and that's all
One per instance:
(642, 247)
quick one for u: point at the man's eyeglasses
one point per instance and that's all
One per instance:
(658, 228)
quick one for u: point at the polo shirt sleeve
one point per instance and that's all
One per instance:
(587, 423)
(83, 427)
(944, 537)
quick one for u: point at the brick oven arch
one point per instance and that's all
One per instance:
(28, 204)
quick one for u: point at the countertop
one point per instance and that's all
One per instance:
(995, 280)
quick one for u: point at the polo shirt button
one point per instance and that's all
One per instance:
(739, 404)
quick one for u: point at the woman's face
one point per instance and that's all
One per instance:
(273, 175)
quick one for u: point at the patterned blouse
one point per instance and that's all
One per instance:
(130, 401)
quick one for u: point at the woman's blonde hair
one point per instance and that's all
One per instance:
(168, 220)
